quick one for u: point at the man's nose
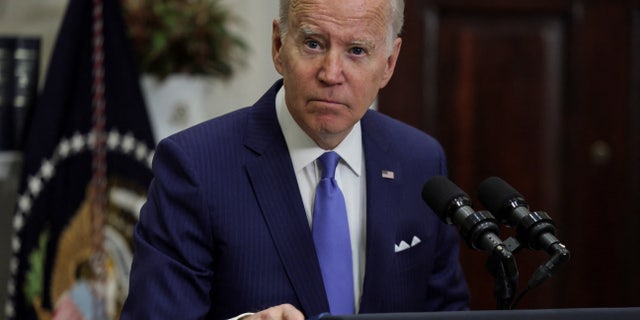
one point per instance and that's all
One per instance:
(332, 69)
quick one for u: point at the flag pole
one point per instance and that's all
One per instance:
(99, 160)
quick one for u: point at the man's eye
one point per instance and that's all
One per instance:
(313, 44)
(358, 51)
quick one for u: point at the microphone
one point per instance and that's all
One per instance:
(534, 229)
(478, 228)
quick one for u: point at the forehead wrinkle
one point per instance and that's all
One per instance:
(346, 20)
(305, 14)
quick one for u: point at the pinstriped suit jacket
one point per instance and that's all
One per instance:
(224, 231)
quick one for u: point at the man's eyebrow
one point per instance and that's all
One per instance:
(364, 43)
(307, 31)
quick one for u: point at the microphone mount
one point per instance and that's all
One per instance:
(479, 230)
(534, 229)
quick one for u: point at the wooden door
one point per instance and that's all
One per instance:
(546, 95)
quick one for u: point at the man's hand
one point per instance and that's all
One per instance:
(281, 312)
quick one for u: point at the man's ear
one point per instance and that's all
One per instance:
(276, 46)
(391, 62)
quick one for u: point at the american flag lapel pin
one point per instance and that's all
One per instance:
(387, 174)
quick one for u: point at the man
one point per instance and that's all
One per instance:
(227, 227)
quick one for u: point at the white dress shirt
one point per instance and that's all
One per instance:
(350, 176)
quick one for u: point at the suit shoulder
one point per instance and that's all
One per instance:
(399, 132)
(225, 127)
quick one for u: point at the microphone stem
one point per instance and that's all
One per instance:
(502, 265)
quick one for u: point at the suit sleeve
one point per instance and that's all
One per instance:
(447, 285)
(171, 270)
(448, 288)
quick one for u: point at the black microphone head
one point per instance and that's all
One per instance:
(438, 192)
(495, 194)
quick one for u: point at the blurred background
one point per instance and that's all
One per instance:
(542, 93)
(173, 101)
(546, 95)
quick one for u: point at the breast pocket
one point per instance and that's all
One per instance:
(412, 251)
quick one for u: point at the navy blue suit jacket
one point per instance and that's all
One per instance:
(224, 229)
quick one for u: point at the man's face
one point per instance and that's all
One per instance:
(334, 59)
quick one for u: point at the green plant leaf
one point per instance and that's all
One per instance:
(34, 278)
(191, 36)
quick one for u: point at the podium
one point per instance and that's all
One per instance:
(532, 314)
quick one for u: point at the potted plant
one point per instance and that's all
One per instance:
(183, 36)
(180, 47)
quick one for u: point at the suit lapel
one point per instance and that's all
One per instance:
(276, 189)
(383, 177)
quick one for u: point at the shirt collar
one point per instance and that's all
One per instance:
(303, 150)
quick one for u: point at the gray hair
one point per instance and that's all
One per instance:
(397, 15)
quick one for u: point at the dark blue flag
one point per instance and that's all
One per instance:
(85, 173)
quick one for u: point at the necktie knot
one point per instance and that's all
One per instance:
(328, 162)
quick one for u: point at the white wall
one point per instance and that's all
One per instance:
(249, 84)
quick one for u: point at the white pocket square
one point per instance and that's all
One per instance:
(404, 245)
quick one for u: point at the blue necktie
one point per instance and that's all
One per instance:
(330, 230)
